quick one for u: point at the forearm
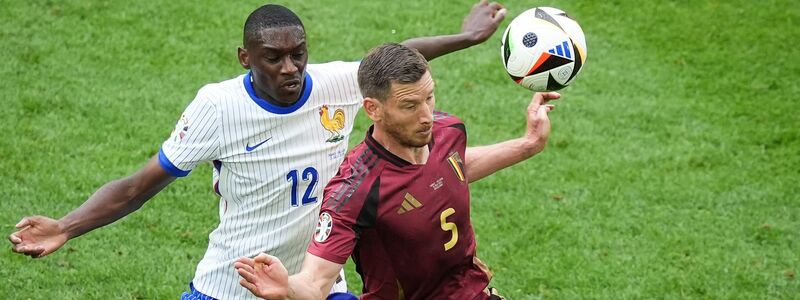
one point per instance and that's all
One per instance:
(111, 202)
(483, 161)
(315, 279)
(116, 199)
(435, 46)
(305, 286)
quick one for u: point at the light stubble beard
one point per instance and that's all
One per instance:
(405, 141)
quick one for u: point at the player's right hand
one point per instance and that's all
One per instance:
(265, 276)
(538, 129)
(37, 236)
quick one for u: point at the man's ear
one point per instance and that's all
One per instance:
(243, 58)
(374, 108)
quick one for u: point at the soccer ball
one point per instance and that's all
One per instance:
(543, 49)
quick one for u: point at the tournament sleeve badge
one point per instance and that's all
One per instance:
(332, 124)
(324, 227)
(181, 129)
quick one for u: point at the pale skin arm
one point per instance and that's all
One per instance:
(482, 161)
(266, 277)
(478, 26)
(38, 236)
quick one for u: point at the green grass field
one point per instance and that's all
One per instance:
(673, 169)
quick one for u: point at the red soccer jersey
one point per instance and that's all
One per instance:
(406, 226)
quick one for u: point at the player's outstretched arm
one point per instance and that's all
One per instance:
(39, 236)
(482, 161)
(266, 277)
(479, 25)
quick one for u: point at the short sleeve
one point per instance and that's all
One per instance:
(340, 218)
(195, 138)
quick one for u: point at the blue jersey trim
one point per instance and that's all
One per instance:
(194, 294)
(307, 86)
(169, 167)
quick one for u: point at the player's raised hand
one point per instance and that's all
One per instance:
(265, 276)
(483, 20)
(37, 236)
(538, 120)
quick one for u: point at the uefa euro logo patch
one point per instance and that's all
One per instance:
(181, 129)
(332, 124)
(324, 227)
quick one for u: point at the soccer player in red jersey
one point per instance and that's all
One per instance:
(399, 203)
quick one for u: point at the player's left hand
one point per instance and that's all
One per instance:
(265, 276)
(483, 20)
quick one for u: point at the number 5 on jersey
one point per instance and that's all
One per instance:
(309, 174)
(449, 226)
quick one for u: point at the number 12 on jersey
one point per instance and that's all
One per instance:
(309, 174)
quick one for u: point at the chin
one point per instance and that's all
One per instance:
(420, 142)
(288, 98)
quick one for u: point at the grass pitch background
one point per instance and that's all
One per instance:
(673, 169)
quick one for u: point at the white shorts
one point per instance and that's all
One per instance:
(340, 285)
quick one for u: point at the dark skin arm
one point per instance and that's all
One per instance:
(479, 25)
(38, 236)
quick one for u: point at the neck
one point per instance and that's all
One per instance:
(413, 155)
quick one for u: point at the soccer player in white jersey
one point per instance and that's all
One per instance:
(275, 136)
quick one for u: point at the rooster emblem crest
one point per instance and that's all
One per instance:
(332, 124)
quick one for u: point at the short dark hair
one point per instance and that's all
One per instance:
(269, 16)
(386, 64)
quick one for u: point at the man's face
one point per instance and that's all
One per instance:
(408, 112)
(277, 59)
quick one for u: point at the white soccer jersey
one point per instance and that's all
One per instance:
(271, 165)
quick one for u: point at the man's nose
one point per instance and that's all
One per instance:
(426, 114)
(288, 66)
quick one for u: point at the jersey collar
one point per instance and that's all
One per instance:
(307, 86)
(385, 154)
(382, 152)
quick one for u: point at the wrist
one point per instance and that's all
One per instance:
(532, 145)
(469, 38)
(64, 226)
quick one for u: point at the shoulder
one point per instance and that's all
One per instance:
(354, 178)
(333, 68)
(223, 88)
(360, 158)
(444, 120)
(218, 93)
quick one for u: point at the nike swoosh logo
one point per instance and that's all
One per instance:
(248, 148)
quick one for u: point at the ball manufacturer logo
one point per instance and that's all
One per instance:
(530, 39)
(564, 72)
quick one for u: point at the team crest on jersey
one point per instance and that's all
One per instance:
(333, 122)
(324, 227)
(458, 165)
(181, 129)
